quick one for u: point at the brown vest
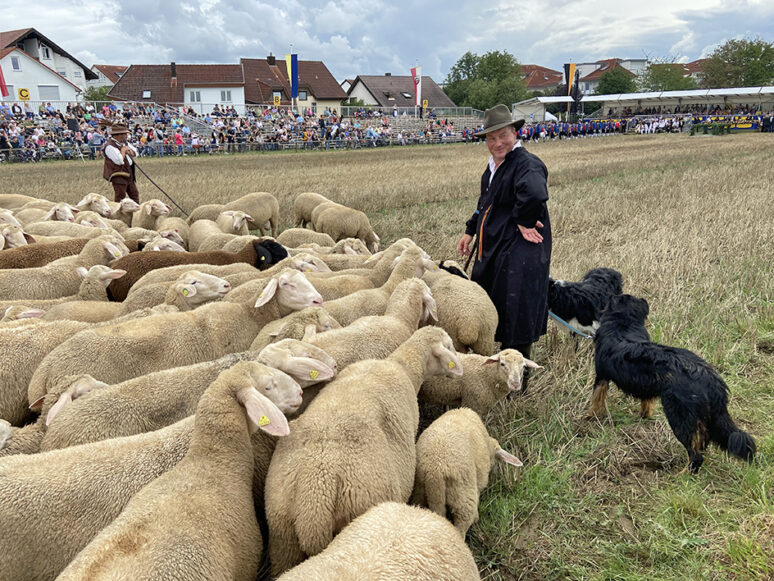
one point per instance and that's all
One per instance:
(114, 172)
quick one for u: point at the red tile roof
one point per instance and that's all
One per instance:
(696, 66)
(112, 72)
(261, 79)
(388, 90)
(158, 80)
(607, 65)
(537, 77)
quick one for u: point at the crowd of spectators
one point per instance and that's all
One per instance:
(35, 132)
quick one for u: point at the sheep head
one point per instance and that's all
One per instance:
(511, 366)
(293, 291)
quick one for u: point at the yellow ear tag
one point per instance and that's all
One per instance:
(370, 258)
(185, 292)
(452, 365)
(117, 254)
(260, 296)
(308, 270)
(263, 258)
(264, 421)
(313, 374)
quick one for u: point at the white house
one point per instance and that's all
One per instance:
(107, 75)
(30, 80)
(43, 50)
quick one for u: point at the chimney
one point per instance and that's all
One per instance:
(387, 74)
(173, 79)
(271, 60)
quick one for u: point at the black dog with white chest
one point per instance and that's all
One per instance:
(693, 395)
(581, 303)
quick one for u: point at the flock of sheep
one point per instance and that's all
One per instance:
(147, 365)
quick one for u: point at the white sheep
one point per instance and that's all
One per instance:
(15, 201)
(171, 273)
(307, 364)
(454, 457)
(262, 206)
(342, 222)
(69, 229)
(487, 380)
(227, 222)
(96, 203)
(392, 542)
(300, 325)
(304, 205)
(203, 288)
(295, 237)
(149, 213)
(156, 400)
(351, 449)
(465, 311)
(160, 243)
(18, 312)
(95, 481)
(54, 281)
(117, 352)
(124, 210)
(12, 236)
(191, 522)
(60, 212)
(94, 220)
(174, 224)
(26, 440)
(7, 217)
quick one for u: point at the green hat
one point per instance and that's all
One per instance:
(496, 118)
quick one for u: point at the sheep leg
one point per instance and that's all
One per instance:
(463, 506)
(598, 397)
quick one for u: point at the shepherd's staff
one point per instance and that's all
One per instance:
(159, 187)
(472, 253)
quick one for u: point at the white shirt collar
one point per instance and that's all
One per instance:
(492, 167)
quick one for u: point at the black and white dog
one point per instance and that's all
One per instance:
(581, 303)
(694, 396)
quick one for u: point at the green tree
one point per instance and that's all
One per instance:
(740, 63)
(486, 80)
(616, 80)
(96, 94)
(666, 77)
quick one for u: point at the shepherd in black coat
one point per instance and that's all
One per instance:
(511, 221)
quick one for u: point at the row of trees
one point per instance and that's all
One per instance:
(495, 77)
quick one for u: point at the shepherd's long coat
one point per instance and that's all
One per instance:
(513, 271)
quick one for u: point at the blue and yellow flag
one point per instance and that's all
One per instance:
(291, 60)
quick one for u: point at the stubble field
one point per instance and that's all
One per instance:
(689, 222)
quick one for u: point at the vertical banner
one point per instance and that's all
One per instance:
(569, 76)
(416, 75)
(3, 87)
(291, 60)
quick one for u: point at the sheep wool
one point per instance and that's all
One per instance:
(454, 457)
(392, 542)
(295, 237)
(304, 205)
(351, 449)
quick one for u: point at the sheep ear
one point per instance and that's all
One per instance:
(349, 250)
(148, 209)
(73, 209)
(309, 332)
(37, 404)
(129, 205)
(272, 334)
(112, 250)
(262, 413)
(82, 271)
(84, 201)
(267, 293)
(112, 274)
(228, 212)
(308, 370)
(2, 242)
(63, 400)
(29, 237)
(492, 359)
(504, 456)
(249, 218)
(531, 364)
(31, 314)
(185, 290)
(5, 432)
(48, 215)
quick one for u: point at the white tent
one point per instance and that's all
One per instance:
(534, 110)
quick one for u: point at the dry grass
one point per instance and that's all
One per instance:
(690, 224)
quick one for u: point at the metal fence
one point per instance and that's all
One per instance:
(438, 112)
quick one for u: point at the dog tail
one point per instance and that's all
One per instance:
(728, 436)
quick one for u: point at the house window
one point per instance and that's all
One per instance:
(225, 96)
(302, 95)
(48, 92)
(45, 52)
(196, 97)
(146, 94)
(15, 63)
(77, 74)
(62, 72)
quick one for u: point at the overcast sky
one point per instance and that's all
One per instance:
(378, 36)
